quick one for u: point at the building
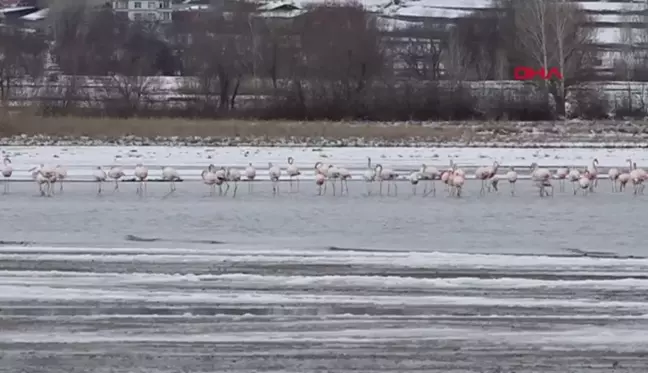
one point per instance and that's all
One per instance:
(144, 10)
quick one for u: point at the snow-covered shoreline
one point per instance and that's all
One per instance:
(135, 141)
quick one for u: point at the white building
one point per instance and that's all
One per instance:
(144, 10)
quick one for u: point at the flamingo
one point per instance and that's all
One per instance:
(209, 178)
(250, 174)
(345, 175)
(512, 177)
(541, 177)
(561, 175)
(116, 173)
(333, 174)
(324, 171)
(637, 176)
(43, 175)
(170, 174)
(484, 174)
(389, 175)
(221, 177)
(624, 177)
(293, 172)
(99, 176)
(320, 180)
(613, 175)
(61, 174)
(592, 173)
(275, 174)
(585, 182)
(7, 171)
(573, 176)
(369, 176)
(458, 180)
(235, 176)
(414, 179)
(141, 173)
(429, 174)
(446, 177)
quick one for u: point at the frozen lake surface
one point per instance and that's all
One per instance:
(300, 283)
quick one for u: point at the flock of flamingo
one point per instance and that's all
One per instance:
(585, 180)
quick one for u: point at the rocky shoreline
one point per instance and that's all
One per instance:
(576, 134)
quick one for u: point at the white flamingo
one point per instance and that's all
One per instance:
(274, 172)
(512, 178)
(386, 174)
(345, 175)
(613, 175)
(320, 181)
(320, 169)
(429, 174)
(414, 179)
(561, 175)
(485, 174)
(592, 173)
(293, 172)
(221, 177)
(116, 173)
(61, 174)
(43, 176)
(332, 174)
(234, 176)
(250, 175)
(542, 178)
(141, 173)
(369, 176)
(209, 178)
(637, 176)
(585, 182)
(7, 171)
(457, 183)
(573, 177)
(171, 175)
(99, 176)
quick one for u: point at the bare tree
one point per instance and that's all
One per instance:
(22, 59)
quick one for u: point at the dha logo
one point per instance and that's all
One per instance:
(529, 73)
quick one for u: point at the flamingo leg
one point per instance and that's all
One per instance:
(226, 189)
(346, 186)
(290, 181)
(395, 188)
(235, 189)
(116, 185)
(381, 187)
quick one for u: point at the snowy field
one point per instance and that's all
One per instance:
(190, 161)
(300, 283)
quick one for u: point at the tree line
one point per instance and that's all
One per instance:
(333, 61)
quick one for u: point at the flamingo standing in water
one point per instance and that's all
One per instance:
(43, 176)
(573, 176)
(485, 174)
(221, 177)
(234, 176)
(61, 174)
(592, 173)
(458, 179)
(274, 172)
(429, 174)
(585, 182)
(250, 174)
(512, 177)
(389, 175)
(542, 179)
(7, 171)
(320, 180)
(369, 176)
(637, 176)
(293, 172)
(324, 171)
(613, 175)
(210, 179)
(141, 173)
(345, 175)
(561, 175)
(170, 174)
(414, 179)
(99, 176)
(116, 173)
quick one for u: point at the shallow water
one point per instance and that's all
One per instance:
(301, 283)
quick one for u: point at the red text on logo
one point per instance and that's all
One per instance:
(529, 73)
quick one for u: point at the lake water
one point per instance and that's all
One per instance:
(301, 283)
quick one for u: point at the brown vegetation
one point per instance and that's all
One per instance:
(331, 62)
